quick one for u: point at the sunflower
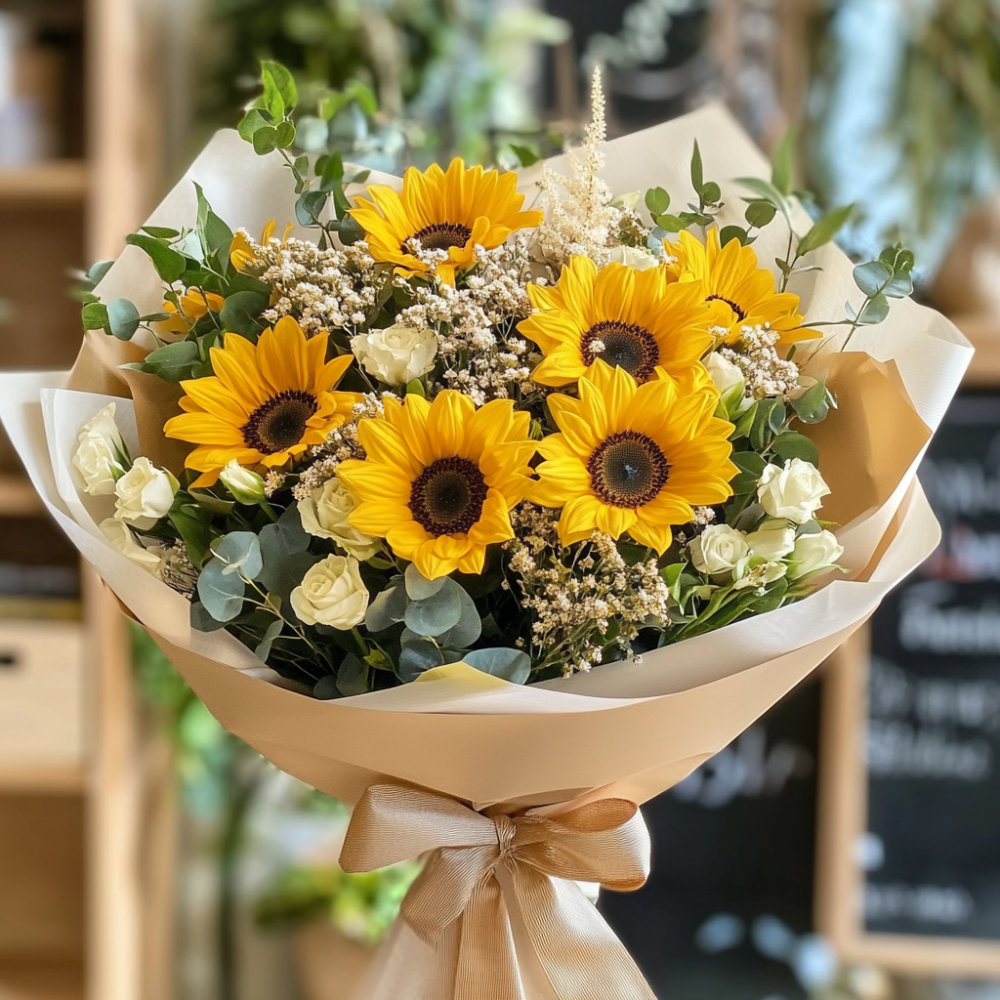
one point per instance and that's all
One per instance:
(440, 478)
(241, 250)
(637, 320)
(633, 458)
(454, 211)
(266, 403)
(739, 292)
(193, 305)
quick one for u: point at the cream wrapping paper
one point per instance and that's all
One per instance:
(626, 730)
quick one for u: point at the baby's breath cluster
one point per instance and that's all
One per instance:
(585, 599)
(765, 371)
(323, 289)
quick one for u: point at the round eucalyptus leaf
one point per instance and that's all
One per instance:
(326, 688)
(418, 587)
(437, 614)
(221, 593)
(240, 550)
(388, 608)
(352, 676)
(509, 664)
(417, 658)
(469, 627)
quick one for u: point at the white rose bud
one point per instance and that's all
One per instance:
(122, 540)
(815, 552)
(726, 375)
(795, 490)
(332, 593)
(398, 354)
(718, 549)
(325, 513)
(245, 485)
(145, 494)
(99, 452)
(774, 539)
(634, 257)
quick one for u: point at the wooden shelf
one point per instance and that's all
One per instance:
(49, 978)
(56, 182)
(50, 779)
(18, 497)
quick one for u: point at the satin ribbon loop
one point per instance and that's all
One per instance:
(485, 876)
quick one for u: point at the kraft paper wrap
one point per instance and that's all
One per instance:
(624, 732)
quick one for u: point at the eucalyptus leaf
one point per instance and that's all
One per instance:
(388, 608)
(309, 207)
(729, 233)
(283, 82)
(240, 550)
(95, 316)
(525, 156)
(326, 689)
(824, 229)
(241, 313)
(812, 406)
(512, 665)
(220, 593)
(352, 676)
(418, 588)
(202, 621)
(173, 362)
(438, 613)
(872, 277)
(875, 311)
(123, 319)
(791, 444)
(169, 264)
(469, 627)
(251, 122)
(657, 201)
(265, 140)
(263, 650)
(759, 213)
(417, 658)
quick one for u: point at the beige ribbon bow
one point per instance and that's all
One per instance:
(487, 882)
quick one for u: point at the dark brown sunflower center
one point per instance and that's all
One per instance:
(280, 422)
(628, 469)
(447, 497)
(626, 345)
(739, 313)
(442, 236)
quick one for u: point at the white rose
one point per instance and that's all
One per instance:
(332, 593)
(398, 354)
(718, 549)
(145, 494)
(325, 513)
(121, 538)
(774, 539)
(246, 486)
(795, 490)
(815, 552)
(98, 453)
(725, 375)
(634, 257)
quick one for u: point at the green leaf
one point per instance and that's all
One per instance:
(159, 232)
(418, 588)
(283, 548)
(745, 422)
(794, 445)
(330, 171)
(123, 319)
(309, 207)
(749, 462)
(286, 134)
(782, 166)
(759, 213)
(416, 658)
(240, 551)
(512, 665)
(776, 417)
(212, 503)
(697, 178)
(350, 231)
(202, 621)
(657, 201)
(221, 593)
(759, 432)
(266, 140)
(766, 191)
(352, 676)
(730, 233)
(671, 223)
(169, 264)
(326, 689)
(95, 316)
(241, 313)
(263, 650)
(875, 311)
(435, 614)
(283, 81)
(872, 277)
(825, 229)
(415, 388)
(469, 627)
(525, 156)
(253, 121)
(173, 362)
(388, 607)
(710, 193)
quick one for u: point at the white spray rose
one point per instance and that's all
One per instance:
(774, 539)
(795, 490)
(725, 375)
(718, 549)
(332, 593)
(815, 552)
(98, 451)
(634, 257)
(121, 538)
(398, 354)
(145, 494)
(245, 485)
(325, 513)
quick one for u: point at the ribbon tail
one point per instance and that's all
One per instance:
(487, 959)
(579, 952)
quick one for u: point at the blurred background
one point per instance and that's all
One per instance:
(847, 846)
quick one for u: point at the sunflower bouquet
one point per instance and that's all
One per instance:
(471, 465)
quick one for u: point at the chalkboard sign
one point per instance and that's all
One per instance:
(912, 785)
(730, 894)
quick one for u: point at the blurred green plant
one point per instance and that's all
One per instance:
(450, 76)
